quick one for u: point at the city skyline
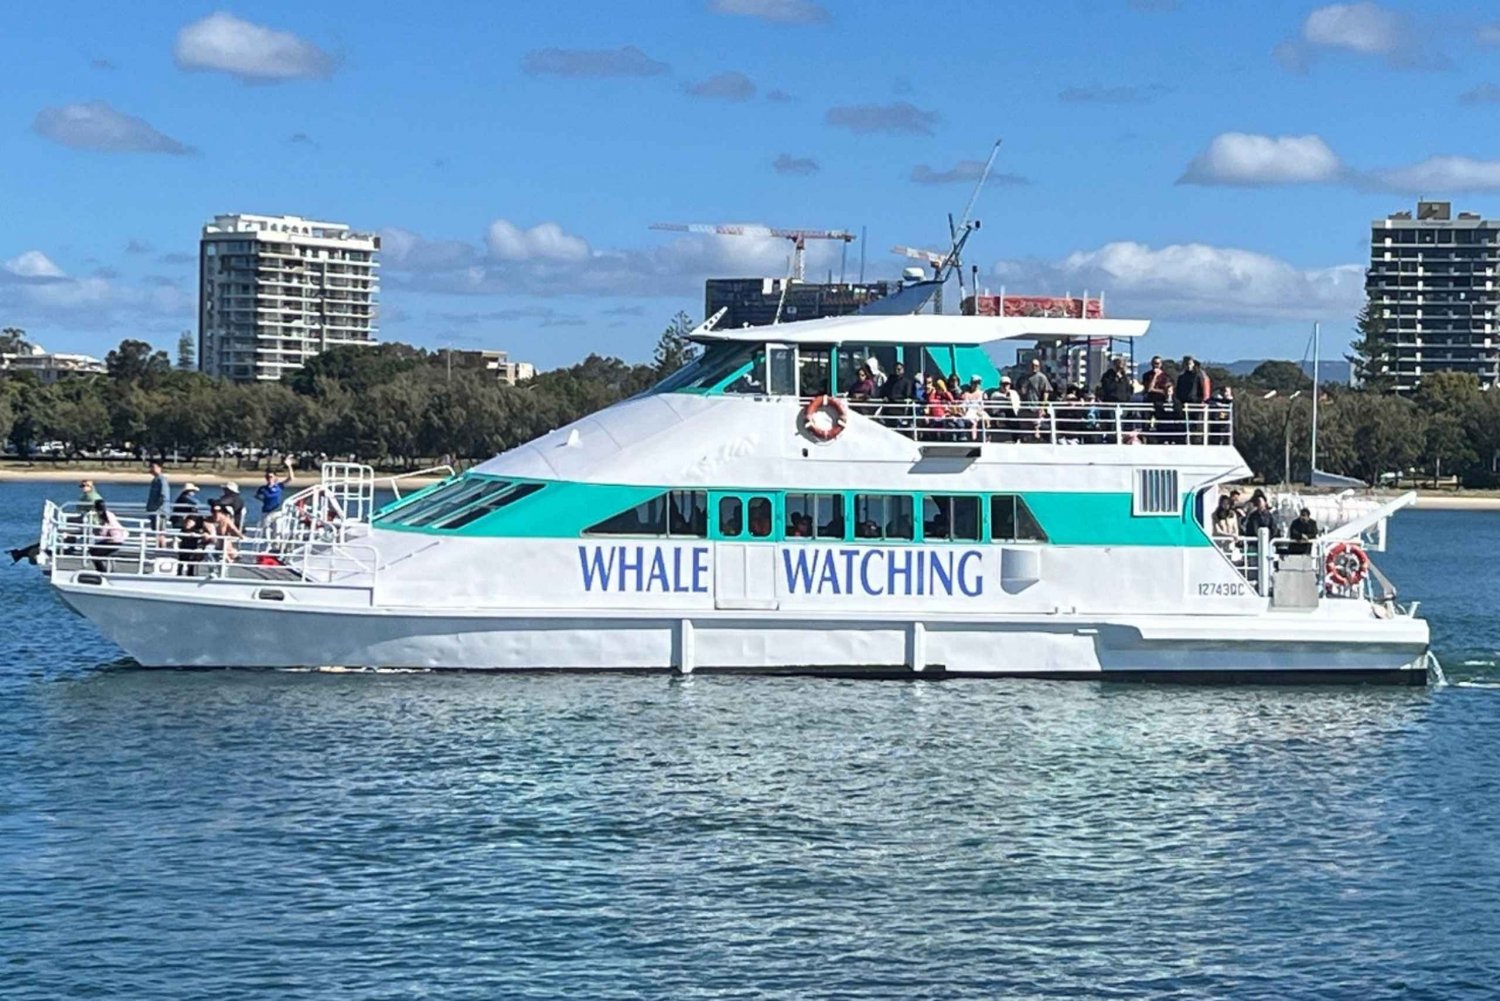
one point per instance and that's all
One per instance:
(1211, 167)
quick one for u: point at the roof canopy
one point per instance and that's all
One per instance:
(927, 329)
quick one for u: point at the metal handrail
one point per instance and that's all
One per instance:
(147, 550)
(430, 470)
(1056, 422)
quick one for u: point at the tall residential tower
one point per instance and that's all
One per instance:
(276, 290)
(1432, 276)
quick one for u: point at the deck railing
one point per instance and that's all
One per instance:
(144, 546)
(1055, 422)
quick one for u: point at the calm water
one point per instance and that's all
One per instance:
(290, 835)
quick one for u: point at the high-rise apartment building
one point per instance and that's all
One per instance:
(276, 290)
(1433, 278)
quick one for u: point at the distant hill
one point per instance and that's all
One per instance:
(1328, 371)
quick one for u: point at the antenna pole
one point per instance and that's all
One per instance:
(1313, 472)
(862, 254)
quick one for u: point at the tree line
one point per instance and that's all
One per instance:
(398, 406)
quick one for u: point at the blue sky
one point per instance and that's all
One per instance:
(1212, 166)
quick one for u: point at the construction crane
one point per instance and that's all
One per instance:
(799, 237)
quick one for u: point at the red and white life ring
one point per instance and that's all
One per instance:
(822, 425)
(1346, 564)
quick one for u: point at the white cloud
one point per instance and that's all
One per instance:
(36, 294)
(1194, 281)
(1441, 175)
(1484, 93)
(964, 171)
(899, 118)
(627, 61)
(545, 261)
(778, 11)
(224, 43)
(727, 86)
(98, 127)
(797, 166)
(1366, 29)
(33, 264)
(1247, 160)
(545, 242)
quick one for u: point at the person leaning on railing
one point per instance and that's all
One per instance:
(1005, 403)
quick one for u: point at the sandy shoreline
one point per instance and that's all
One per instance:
(206, 478)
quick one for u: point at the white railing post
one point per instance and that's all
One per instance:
(1051, 422)
(1263, 561)
(1120, 423)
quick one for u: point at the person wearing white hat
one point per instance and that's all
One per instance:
(232, 502)
(185, 504)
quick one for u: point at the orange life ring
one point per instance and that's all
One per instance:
(1346, 564)
(825, 429)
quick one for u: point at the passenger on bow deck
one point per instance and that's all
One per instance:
(225, 531)
(193, 539)
(108, 533)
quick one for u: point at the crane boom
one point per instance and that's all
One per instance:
(799, 237)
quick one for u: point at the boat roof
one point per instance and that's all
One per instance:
(927, 329)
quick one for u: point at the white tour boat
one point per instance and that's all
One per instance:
(736, 519)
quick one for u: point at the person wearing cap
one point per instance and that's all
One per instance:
(1007, 404)
(87, 495)
(1116, 386)
(273, 492)
(185, 504)
(231, 501)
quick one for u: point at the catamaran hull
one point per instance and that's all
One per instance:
(168, 631)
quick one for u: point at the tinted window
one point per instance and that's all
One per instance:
(488, 504)
(881, 516)
(760, 517)
(950, 517)
(1012, 521)
(444, 501)
(646, 518)
(731, 517)
(814, 516)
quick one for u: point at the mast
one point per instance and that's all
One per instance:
(1312, 473)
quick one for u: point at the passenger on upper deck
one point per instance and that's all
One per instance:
(1117, 386)
(863, 386)
(1158, 390)
(1037, 388)
(973, 414)
(1193, 388)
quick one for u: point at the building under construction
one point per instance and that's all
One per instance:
(753, 302)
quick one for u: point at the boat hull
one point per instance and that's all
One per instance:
(174, 631)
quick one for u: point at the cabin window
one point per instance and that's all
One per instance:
(1012, 521)
(731, 516)
(1155, 492)
(717, 363)
(948, 517)
(753, 379)
(883, 516)
(488, 504)
(812, 369)
(760, 517)
(676, 513)
(781, 370)
(444, 501)
(814, 516)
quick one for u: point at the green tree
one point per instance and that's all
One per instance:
(1282, 376)
(357, 368)
(673, 349)
(136, 361)
(1370, 350)
(13, 341)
